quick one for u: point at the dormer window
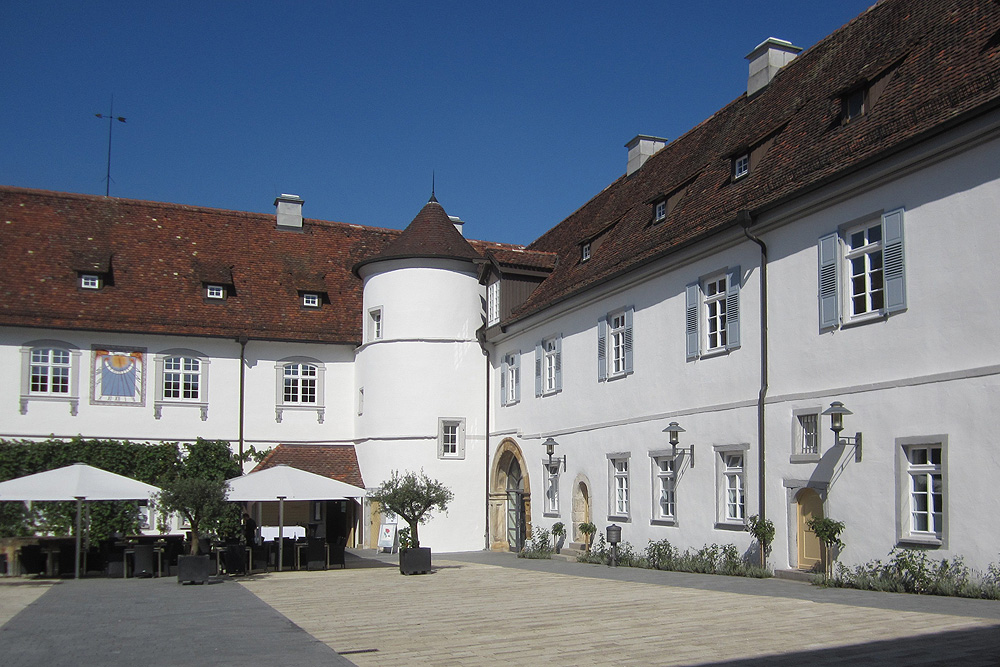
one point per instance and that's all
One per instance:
(660, 211)
(854, 105)
(493, 303)
(585, 252)
(215, 292)
(90, 281)
(741, 166)
(310, 300)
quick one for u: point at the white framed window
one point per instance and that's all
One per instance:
(299, 387)
(548, 366)
(215, 292)
(451, 438)
(551, 488)
(510, 379)
(585, 252)
(922, 490)
(712, 318)
(741, 166)
(806, 435)
(862, 272)
(310, 300)
(730, 466)
(493, 303)
(619, 486)
(181, 379)
(614, 344)
(90, 281)
(660, 211)
(375, 324)
(664, 488)
(50, 371)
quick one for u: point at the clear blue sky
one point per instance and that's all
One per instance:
(522, 109)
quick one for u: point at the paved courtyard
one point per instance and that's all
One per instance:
(485, 609)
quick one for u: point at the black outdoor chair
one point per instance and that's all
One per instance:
(316, 554)
(235, 559)
(142, 561)
(32, 559)
(337, 552)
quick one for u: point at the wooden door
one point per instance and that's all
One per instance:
(809, 505)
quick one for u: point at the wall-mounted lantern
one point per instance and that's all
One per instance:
(837, 412)
(675, 430)
(550, 449)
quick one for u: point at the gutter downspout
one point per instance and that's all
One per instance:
(746, 220)
(242, 340)
(481, 336)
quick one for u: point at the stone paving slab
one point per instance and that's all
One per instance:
(475, 613)
(17, 593)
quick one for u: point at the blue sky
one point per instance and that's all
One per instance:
(520, 109)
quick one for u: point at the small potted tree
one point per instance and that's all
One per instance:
(828, 532)
(202, 503)
(588, 529)
(762, 531)
(413, 497)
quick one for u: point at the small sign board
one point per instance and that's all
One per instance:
(387, 537)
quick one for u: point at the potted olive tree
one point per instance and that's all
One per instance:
(558, 535)
(413, 497)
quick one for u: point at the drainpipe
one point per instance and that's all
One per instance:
(481, 336)
(746, 220)
(242, 340)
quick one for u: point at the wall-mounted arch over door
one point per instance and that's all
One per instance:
(581, 507)
(510, 498)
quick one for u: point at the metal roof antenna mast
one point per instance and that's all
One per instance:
(433, 198)
(111, 119)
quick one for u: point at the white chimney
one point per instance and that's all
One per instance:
(770, 55)
(289, 211)
(640, 149)
(458, 222)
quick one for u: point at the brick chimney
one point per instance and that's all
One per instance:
(289, 211)
(770, 55)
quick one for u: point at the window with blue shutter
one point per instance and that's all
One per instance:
(691, 295)
(829, 281)
(503, 381)
(538, 369)
(733, 279)
(895, 275)
(602, 349)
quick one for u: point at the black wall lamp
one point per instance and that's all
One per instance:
(550, 449)
(675, 430)
(837, 412)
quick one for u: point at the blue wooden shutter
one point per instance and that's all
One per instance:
(628, 338)
(503, 381)
(538, 369)
(516, 358)
(892, 258)
(558, 342)
(829, 281)
(733, 280)
(602, 348)
(691, 294)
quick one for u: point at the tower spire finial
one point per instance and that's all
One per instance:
(433, 198)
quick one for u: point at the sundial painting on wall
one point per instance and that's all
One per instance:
(118, 376)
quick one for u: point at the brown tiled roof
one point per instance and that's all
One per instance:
(161, 255)
(431, 234)
(519, 258)
(944, 60)
(339, 462)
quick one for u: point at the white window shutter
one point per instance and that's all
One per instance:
(538, 369)
(691, 294)
(559, 363)
(628, 338)
(733, 280)
(602, 348)
(829, 281)
(503, 381)
(517, 376)
(892, 256)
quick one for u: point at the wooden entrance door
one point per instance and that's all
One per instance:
(809, 505)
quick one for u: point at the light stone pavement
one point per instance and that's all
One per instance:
(469, 613)
(16, 593)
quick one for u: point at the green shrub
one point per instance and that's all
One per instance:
(662, 555)
(539, 546)
(912, 571)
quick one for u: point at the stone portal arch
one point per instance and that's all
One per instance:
(510, 498)
(581, 507)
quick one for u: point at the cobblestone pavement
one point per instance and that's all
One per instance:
(487, 609)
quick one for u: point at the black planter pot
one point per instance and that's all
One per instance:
(193, 569)
(415, 560)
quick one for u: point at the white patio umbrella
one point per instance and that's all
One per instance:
(283, 482)
(77, 482)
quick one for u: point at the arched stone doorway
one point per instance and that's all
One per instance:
(510, 498)
(581, 507)
(808, 505)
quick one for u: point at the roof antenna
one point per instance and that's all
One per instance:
(433, 198)
(111, 118)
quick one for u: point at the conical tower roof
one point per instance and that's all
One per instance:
(431, 234)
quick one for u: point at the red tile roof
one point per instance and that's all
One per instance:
(339, 462)
(944, 61)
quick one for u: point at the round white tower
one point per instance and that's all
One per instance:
(421, 373)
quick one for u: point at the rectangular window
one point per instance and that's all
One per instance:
(712, 317)
(49, 371)
(310, 300)
(619, 487)
(493, 303)
(215, 291)
(808, 434)
(451, 438)
(585, 252)
(90, 281)
(864, 269)
(735, 500)
(853, 105)
(300, 383)
(614, 344)
(548, 366)
(375, 324)
(741, 166)
(181, 378)
(665, 488)
(660, 212)
(926, 490)
(552, 489)
(510, 379)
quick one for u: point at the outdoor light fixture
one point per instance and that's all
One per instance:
(550, 449)
(614, 537)
(837, 412)
(674, 430)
